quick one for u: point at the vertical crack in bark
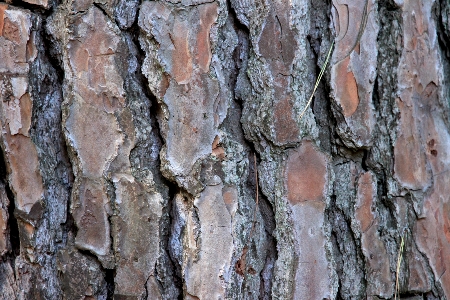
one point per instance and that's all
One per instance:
(442, 19)
(175, 266)
(348, 254)
(55, 60)
(12, 228)
(168, 276)
(110, 285)
(265, 208)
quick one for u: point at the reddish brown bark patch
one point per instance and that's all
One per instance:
(363, 211)
(346, 88)
(230, 198)
(306, 174)
(181, 57)
(241, 263)
(25, 179)
(410, 160)
(347, 21)
(432, 235)
(26, 109)
(208, 15)
(277, 45)
(379, 276)
(286, 129)
(270, 41)
(218, 150)
(91, 218)
(3, 7)
(79, 56)
(11, 31)
(92, 57)
(418, 274)
(95, 135)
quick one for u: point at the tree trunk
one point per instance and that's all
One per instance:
(156, 149)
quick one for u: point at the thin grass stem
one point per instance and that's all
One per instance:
(316, 85)
(399, 262)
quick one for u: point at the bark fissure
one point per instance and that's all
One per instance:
(110, 286)
(12, 226)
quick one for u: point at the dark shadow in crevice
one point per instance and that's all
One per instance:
(233, 125)
(176, 267)
(166, 266)
(441, 9)
(110, 285)
(13, 226)
(108, 274)
(347, 253)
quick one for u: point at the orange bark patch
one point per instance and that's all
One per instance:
(93, 60)
(306, 174)
(181, 57)
(26, 107)
(229, 197)
(29, 229)
(31, 51)
(3, 7)
(346, 88)
(215, 142)
(217, 150)
(208, 15)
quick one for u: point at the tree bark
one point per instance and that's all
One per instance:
(155, 149)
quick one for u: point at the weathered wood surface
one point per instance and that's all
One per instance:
(129, 131)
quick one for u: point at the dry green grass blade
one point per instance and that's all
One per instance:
(399, 262)
(322, 71)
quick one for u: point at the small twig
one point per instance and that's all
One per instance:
(322, 71)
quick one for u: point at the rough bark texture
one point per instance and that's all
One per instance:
(154, 150)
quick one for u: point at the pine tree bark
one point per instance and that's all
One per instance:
(155, 150)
